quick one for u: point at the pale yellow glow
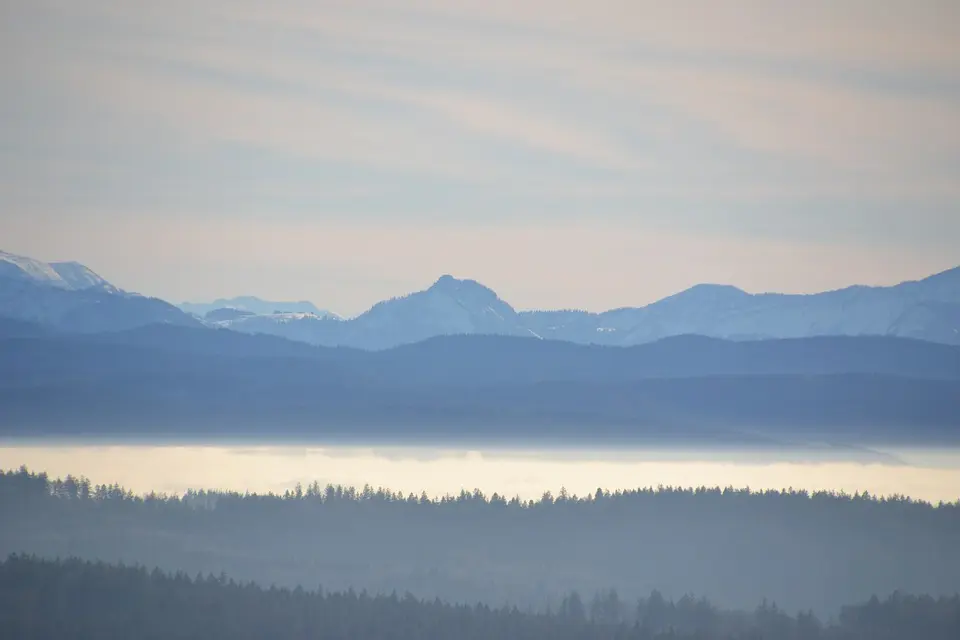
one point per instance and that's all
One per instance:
(173, 469)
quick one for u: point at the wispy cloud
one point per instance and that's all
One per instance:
(781, 121)
(349, 267)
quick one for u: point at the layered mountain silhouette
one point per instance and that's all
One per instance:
(928, 310)
(172, 380)
(70, 297)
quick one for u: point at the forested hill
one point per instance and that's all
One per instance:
(71, 599)
(736, 547)
(491, 360)
(180, 381)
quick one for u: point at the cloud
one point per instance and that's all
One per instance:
(889, 34)
(584, 53)
(804, 125)
(349, 267)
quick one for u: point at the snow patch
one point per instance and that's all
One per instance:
(76, 276)
(493, 311)
(34, 269)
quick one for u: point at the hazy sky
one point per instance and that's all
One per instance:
(568, 153)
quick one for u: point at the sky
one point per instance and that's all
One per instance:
(567, 153)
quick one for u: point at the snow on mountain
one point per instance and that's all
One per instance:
(300, 326)
(226, 315)
(922, 309)
(62, 275)
(24, 268)
(450, 307)
(69, 297)
(77, 277)
(927, 309)
(256, 306)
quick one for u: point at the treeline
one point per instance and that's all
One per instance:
(68, 599)
(802, 550)
(31, 485)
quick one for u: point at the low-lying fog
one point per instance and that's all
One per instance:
(524, 471)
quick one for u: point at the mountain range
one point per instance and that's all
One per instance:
(69, 297)
(928, 309)
(168, 380)
(711, 364)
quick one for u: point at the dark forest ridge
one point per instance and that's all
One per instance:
(100, 600)
(167, 380)
(81, 301)
(801, 550)
(487, 360)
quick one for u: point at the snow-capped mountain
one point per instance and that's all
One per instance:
(449, 307)
(299, 326)
(907, 309)
(255, 306)
(226, 314)
(68, 296)
(16, 267)
(928, 309)
(62, 275)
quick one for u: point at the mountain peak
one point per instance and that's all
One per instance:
(446, 281)
(718, 288)
(712, 292)
(447, 284)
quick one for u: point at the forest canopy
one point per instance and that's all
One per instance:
(804, 551)
(67, 599)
